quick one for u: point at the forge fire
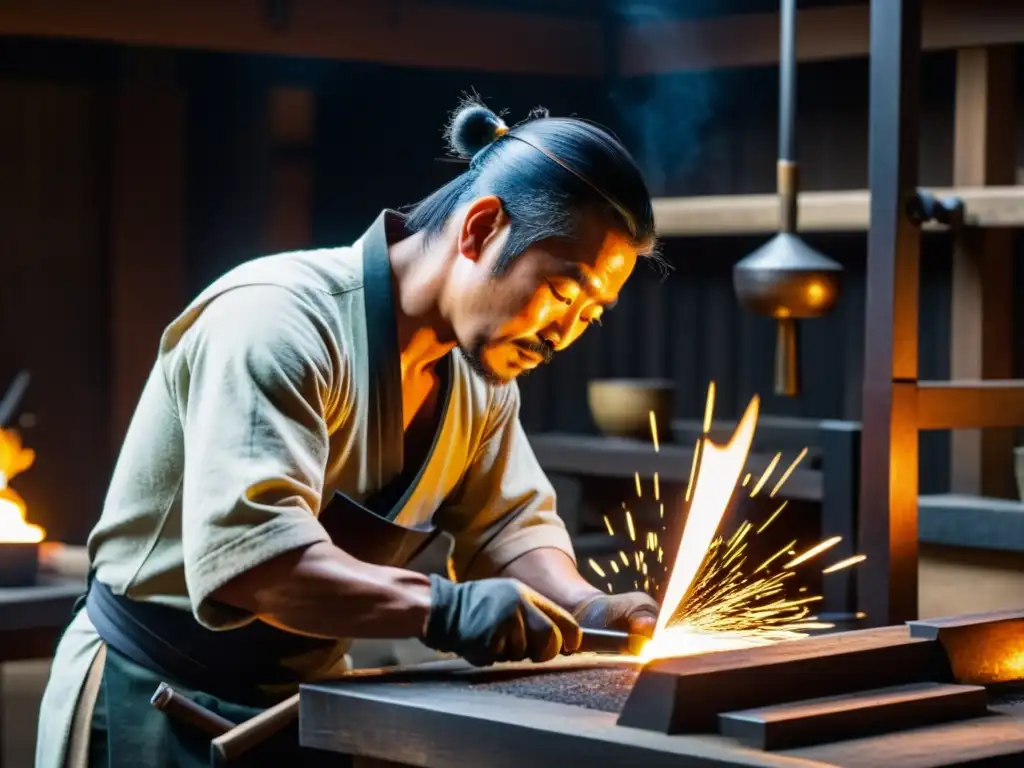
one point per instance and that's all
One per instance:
(14, 459)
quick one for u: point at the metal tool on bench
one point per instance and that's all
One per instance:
(230, 741)
(611, 641)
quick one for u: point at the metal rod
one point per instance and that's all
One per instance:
(788, 174)
(787, 81)
(611, 641)
(887, 530)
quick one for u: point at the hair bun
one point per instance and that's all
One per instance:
(472, 128)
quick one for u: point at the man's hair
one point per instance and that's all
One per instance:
(546, 171)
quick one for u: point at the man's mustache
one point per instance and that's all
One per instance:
(542, 348)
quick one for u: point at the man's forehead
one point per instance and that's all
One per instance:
(600, 251)
(603, 273)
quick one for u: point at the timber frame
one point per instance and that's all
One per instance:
(896, 406)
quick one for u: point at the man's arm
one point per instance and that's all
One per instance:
(255, 377)
(505, 524)
(321, 590)
(503, 515)
(554, 574)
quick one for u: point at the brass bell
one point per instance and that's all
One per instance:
(787, 279)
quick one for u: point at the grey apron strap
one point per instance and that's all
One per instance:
(398, 471)
(383, 365)
(81, 726)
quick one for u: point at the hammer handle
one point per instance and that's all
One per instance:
(243, 737)
(183, 708)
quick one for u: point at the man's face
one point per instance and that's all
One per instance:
(509, 324)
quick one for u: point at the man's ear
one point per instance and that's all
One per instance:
(482, 221)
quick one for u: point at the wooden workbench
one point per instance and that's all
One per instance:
(31, 618)
(432, 723)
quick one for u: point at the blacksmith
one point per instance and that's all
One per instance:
(314, 419)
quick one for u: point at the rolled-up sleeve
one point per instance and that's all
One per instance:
(253, 382)
(505, 504)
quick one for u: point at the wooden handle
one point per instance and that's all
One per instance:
(184, 709)
(240, 739)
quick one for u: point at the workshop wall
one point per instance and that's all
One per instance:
(54, 142)
(86, 246)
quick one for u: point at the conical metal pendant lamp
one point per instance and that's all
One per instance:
(787, 279)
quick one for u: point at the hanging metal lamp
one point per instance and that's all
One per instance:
(787, 279)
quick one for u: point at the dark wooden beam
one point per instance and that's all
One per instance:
(435, 35)
(970, 404)
(842, 211)
(887, 519)
(752, 40)
(403, 34)
(981, 344)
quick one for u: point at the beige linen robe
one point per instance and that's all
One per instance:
(257, 408)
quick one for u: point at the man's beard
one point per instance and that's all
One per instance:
(474, 356)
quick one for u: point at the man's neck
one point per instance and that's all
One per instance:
(423, 335)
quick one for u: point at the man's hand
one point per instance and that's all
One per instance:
(495, 620)
(633, 612)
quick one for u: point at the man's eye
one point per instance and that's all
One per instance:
(558, 295)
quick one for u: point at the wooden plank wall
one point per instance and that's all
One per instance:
(54, 192)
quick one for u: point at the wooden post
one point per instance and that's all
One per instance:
(147, 223)
(292, 117)
(887, 530)
(981, 339)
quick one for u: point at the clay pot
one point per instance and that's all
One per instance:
(622, 407)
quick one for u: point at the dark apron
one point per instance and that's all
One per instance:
(228, 671)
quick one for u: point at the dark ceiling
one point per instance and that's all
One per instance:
(642, 9)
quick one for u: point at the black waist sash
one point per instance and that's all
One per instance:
(236, 664)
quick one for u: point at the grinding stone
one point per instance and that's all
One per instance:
(604, 688)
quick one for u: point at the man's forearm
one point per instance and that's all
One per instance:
(322, 590)
(552, 573)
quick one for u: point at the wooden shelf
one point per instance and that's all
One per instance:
(842, 211)
(595, 456)
(972, 522)
(970, 404)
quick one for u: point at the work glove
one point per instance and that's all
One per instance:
(494, 620)
(633, 612)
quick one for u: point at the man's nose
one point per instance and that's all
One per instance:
(553, 337)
